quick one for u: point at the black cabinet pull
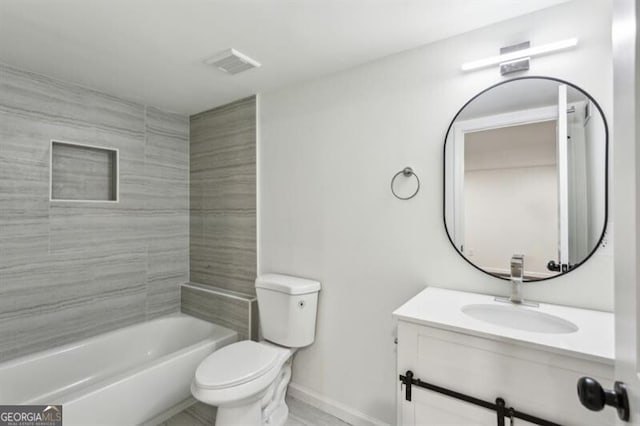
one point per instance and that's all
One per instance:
(595, 398)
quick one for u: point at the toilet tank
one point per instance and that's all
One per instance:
(288, 307)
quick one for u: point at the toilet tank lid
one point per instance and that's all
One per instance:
(287, 284)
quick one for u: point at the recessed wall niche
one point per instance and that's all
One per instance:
(82, 172)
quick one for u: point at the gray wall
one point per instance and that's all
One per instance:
(236, 311)
(223, 196)
(223, 217)
(83, 173)
(74, 269)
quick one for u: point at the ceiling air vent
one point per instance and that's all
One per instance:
(232, 62)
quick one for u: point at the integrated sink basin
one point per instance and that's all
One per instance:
(583, 333)
(520, 318)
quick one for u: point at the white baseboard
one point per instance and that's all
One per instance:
(336, 409)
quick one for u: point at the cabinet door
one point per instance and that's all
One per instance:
(535, 382)
(432, 409)
(428, 408)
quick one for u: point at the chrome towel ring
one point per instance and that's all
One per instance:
(406, 172)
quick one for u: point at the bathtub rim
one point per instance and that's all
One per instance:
(66, 395)
(90, 389)
(14, 362)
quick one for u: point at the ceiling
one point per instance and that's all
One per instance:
(153, 51)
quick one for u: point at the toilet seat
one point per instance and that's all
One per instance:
(236, 364)
(238, 371)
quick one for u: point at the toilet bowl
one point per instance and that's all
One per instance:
(248, 380)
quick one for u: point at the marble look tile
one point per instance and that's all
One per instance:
(83, 173)
(225, 255)
(21, 336)
(27, 139)
(46, 99)
(223, 196)
(24, 218)
(167, 260)
(167, 201)
(167, 138)
(89, 229)
(225, 308)
(225, 121)
(254, 322)
(72, 270)
(196, 228)
(216, 266)
(167, 160)
(224, 189)
(66, 298)
(24, 186)
(229, 153)
(24, 183)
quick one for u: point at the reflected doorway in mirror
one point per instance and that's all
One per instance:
(525, 171)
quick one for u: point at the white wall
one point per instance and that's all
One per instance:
(511, 197)
(328, 150)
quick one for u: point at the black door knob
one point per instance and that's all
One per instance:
(594, 397)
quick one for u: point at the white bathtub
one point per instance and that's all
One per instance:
(125, 377)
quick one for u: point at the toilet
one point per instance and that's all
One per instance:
(248, 380)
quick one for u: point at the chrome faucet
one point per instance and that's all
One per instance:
(516, 278)
(517, 273)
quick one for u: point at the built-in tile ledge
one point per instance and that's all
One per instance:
(220, 291)
(236, 311)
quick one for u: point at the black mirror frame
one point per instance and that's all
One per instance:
(606, 175)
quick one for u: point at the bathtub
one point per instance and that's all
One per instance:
(127, 376)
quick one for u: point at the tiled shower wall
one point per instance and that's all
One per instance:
(69, 270)
(223, 217)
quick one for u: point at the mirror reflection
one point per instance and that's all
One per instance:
(526, 175)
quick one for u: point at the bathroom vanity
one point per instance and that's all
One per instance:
(532, 357)
(525, 200)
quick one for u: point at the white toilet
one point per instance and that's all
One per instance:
(248, 380)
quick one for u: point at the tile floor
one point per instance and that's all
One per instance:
(300, 414)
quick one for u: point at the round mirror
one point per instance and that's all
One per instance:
(525, 178)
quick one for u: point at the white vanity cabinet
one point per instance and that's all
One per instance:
(444, 347)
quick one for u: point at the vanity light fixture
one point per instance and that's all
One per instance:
(517, 53)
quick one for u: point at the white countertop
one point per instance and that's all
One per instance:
(441, 308)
